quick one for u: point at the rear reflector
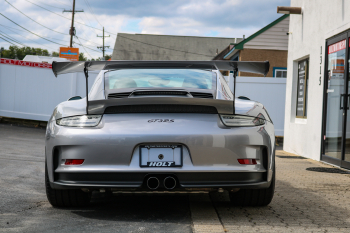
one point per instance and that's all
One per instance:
(74, 161)
(247, 161)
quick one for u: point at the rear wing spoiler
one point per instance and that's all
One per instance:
(86, 66)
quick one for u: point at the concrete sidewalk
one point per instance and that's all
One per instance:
(310, 196)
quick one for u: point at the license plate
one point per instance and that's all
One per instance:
(161, 156)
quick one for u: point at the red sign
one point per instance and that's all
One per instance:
(25, 63)
(336, 47)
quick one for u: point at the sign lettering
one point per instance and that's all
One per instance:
(336, 47)
(25, 63)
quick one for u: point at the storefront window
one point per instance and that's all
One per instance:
(335, 99)
(303, 77)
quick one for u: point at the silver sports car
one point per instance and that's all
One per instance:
(160, 126)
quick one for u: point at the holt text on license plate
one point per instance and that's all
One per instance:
(161, 156)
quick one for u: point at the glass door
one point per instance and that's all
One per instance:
(346, 157)
(335, 100)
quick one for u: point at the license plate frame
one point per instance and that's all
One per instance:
(162, 164)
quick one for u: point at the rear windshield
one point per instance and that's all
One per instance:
(160, 78)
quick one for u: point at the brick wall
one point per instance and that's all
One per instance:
(277, 58)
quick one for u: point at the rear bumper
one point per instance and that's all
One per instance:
(112, 159)
(136, 181)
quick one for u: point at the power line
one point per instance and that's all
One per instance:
(18, 42)
(89, 41)
(7, 41)
(30, 31)
(88, 20)
(109, 32)
(138, 42)
(10, 27)
(84, 47)
(44, 25)
(164, 47)
(11, 38)
(51, 11)
(89, 23)
(34, 20)
(93, 13)
(52, 38)
(133, 51)
(63, 3)
(24, 36)
(52, 6)
(66, 17)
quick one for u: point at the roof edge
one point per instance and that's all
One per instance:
(144, 34)
(241, 44)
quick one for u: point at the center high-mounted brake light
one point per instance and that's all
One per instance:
(247, 161)
(74, 161)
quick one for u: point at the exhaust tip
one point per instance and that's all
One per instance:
(169, 182)
(152, 183)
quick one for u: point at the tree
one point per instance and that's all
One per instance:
(82, 57)
(108, 56)
(100, 58)
(15, 52)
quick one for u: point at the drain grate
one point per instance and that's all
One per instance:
(327, 170)
(290, 157)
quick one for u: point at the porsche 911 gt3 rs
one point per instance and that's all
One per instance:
(165, 126)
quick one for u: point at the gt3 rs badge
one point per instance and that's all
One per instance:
(160, 164)
(161, 120)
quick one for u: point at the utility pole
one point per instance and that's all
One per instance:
(103, 43)
(72, 29)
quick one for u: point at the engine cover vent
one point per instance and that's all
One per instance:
(161, 108)
(202, 95)
(119, 95)
(183, 93)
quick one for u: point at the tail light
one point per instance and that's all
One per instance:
(247, 161)
(74, 161)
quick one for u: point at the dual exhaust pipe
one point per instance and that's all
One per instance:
(153, 182)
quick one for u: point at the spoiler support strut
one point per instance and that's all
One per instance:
(86, 72)
(235, 70)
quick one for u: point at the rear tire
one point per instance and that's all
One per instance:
(65, 197)
(254, 197)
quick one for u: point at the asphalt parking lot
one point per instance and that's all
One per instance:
(310, 197)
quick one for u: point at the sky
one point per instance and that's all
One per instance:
(43, 24)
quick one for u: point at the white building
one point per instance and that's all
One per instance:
(43, 59)
(317, 125)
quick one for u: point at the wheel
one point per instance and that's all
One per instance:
(254, 197)
(65, 197)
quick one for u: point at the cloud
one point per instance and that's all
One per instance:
(222, 18)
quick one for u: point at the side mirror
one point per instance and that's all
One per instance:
(74, 98)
